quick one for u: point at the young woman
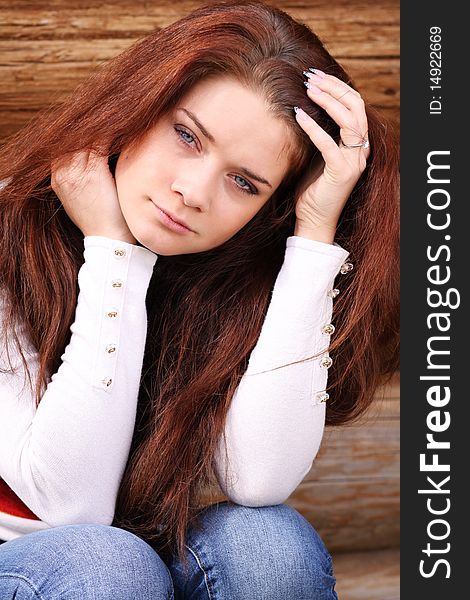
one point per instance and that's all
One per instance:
(173, 239)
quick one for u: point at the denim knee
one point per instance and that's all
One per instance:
(81, 562)
(258, 553)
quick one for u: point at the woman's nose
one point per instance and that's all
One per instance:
(195, 193)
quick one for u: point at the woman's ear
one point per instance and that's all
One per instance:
(112, 160)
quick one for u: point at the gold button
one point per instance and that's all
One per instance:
(116, 283)
(322, 396)
(326, 362)
(346, 268)
(111, 348)
(119, 252)
(333, 293)
(107, 381)
(329, 329)
(112, 314)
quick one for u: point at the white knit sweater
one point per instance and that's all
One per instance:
(65, 459)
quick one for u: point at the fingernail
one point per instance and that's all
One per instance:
(300, 113)
(317, 72)
(313, 88)
(316, 78)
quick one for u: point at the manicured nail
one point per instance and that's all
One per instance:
(317, 72)
(313, 88)
(301, 113)
(313, 77)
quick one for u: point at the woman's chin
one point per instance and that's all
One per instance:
(163, 247)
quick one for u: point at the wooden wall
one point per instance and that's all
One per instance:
(48, 47)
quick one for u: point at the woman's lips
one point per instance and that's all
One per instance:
(171, 222)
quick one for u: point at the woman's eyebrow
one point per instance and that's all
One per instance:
(210, 137)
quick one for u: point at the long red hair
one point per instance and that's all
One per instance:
(205, 310)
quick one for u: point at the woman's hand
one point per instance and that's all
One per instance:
(320, 205)
(85, 186)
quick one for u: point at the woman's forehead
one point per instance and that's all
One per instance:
(233, 114)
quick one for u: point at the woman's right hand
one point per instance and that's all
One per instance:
(85, 186)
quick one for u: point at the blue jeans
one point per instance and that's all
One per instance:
(241, 553)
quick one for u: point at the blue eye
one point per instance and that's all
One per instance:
(250, 189)
(181, 133)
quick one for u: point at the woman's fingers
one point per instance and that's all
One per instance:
(334, 86)
(87, 190)
(321, 139)
(74, 167)
(337, 89)
(339, 111)
(342, 103)
(68, 167)
(320, 204)
(347, 108)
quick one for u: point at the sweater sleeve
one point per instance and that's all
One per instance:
(65, 460)
(275, 422)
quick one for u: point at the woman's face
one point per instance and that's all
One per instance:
(211, 164)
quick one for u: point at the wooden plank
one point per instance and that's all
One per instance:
(368, 575)
(351, 515)
(370, 451)
(13, 120)
(378, 80)
(62, 65)
(48, 48)
(24, 52)
(366, 30)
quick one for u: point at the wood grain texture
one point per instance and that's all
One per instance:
(348, 27)
(48, 48)
(368, 575)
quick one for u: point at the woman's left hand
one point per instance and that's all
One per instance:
(319, 207)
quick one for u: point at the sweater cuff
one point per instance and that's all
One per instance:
(309, 263)
(333, 250)
(147, 257)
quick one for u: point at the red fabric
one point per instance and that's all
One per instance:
(12, 505)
